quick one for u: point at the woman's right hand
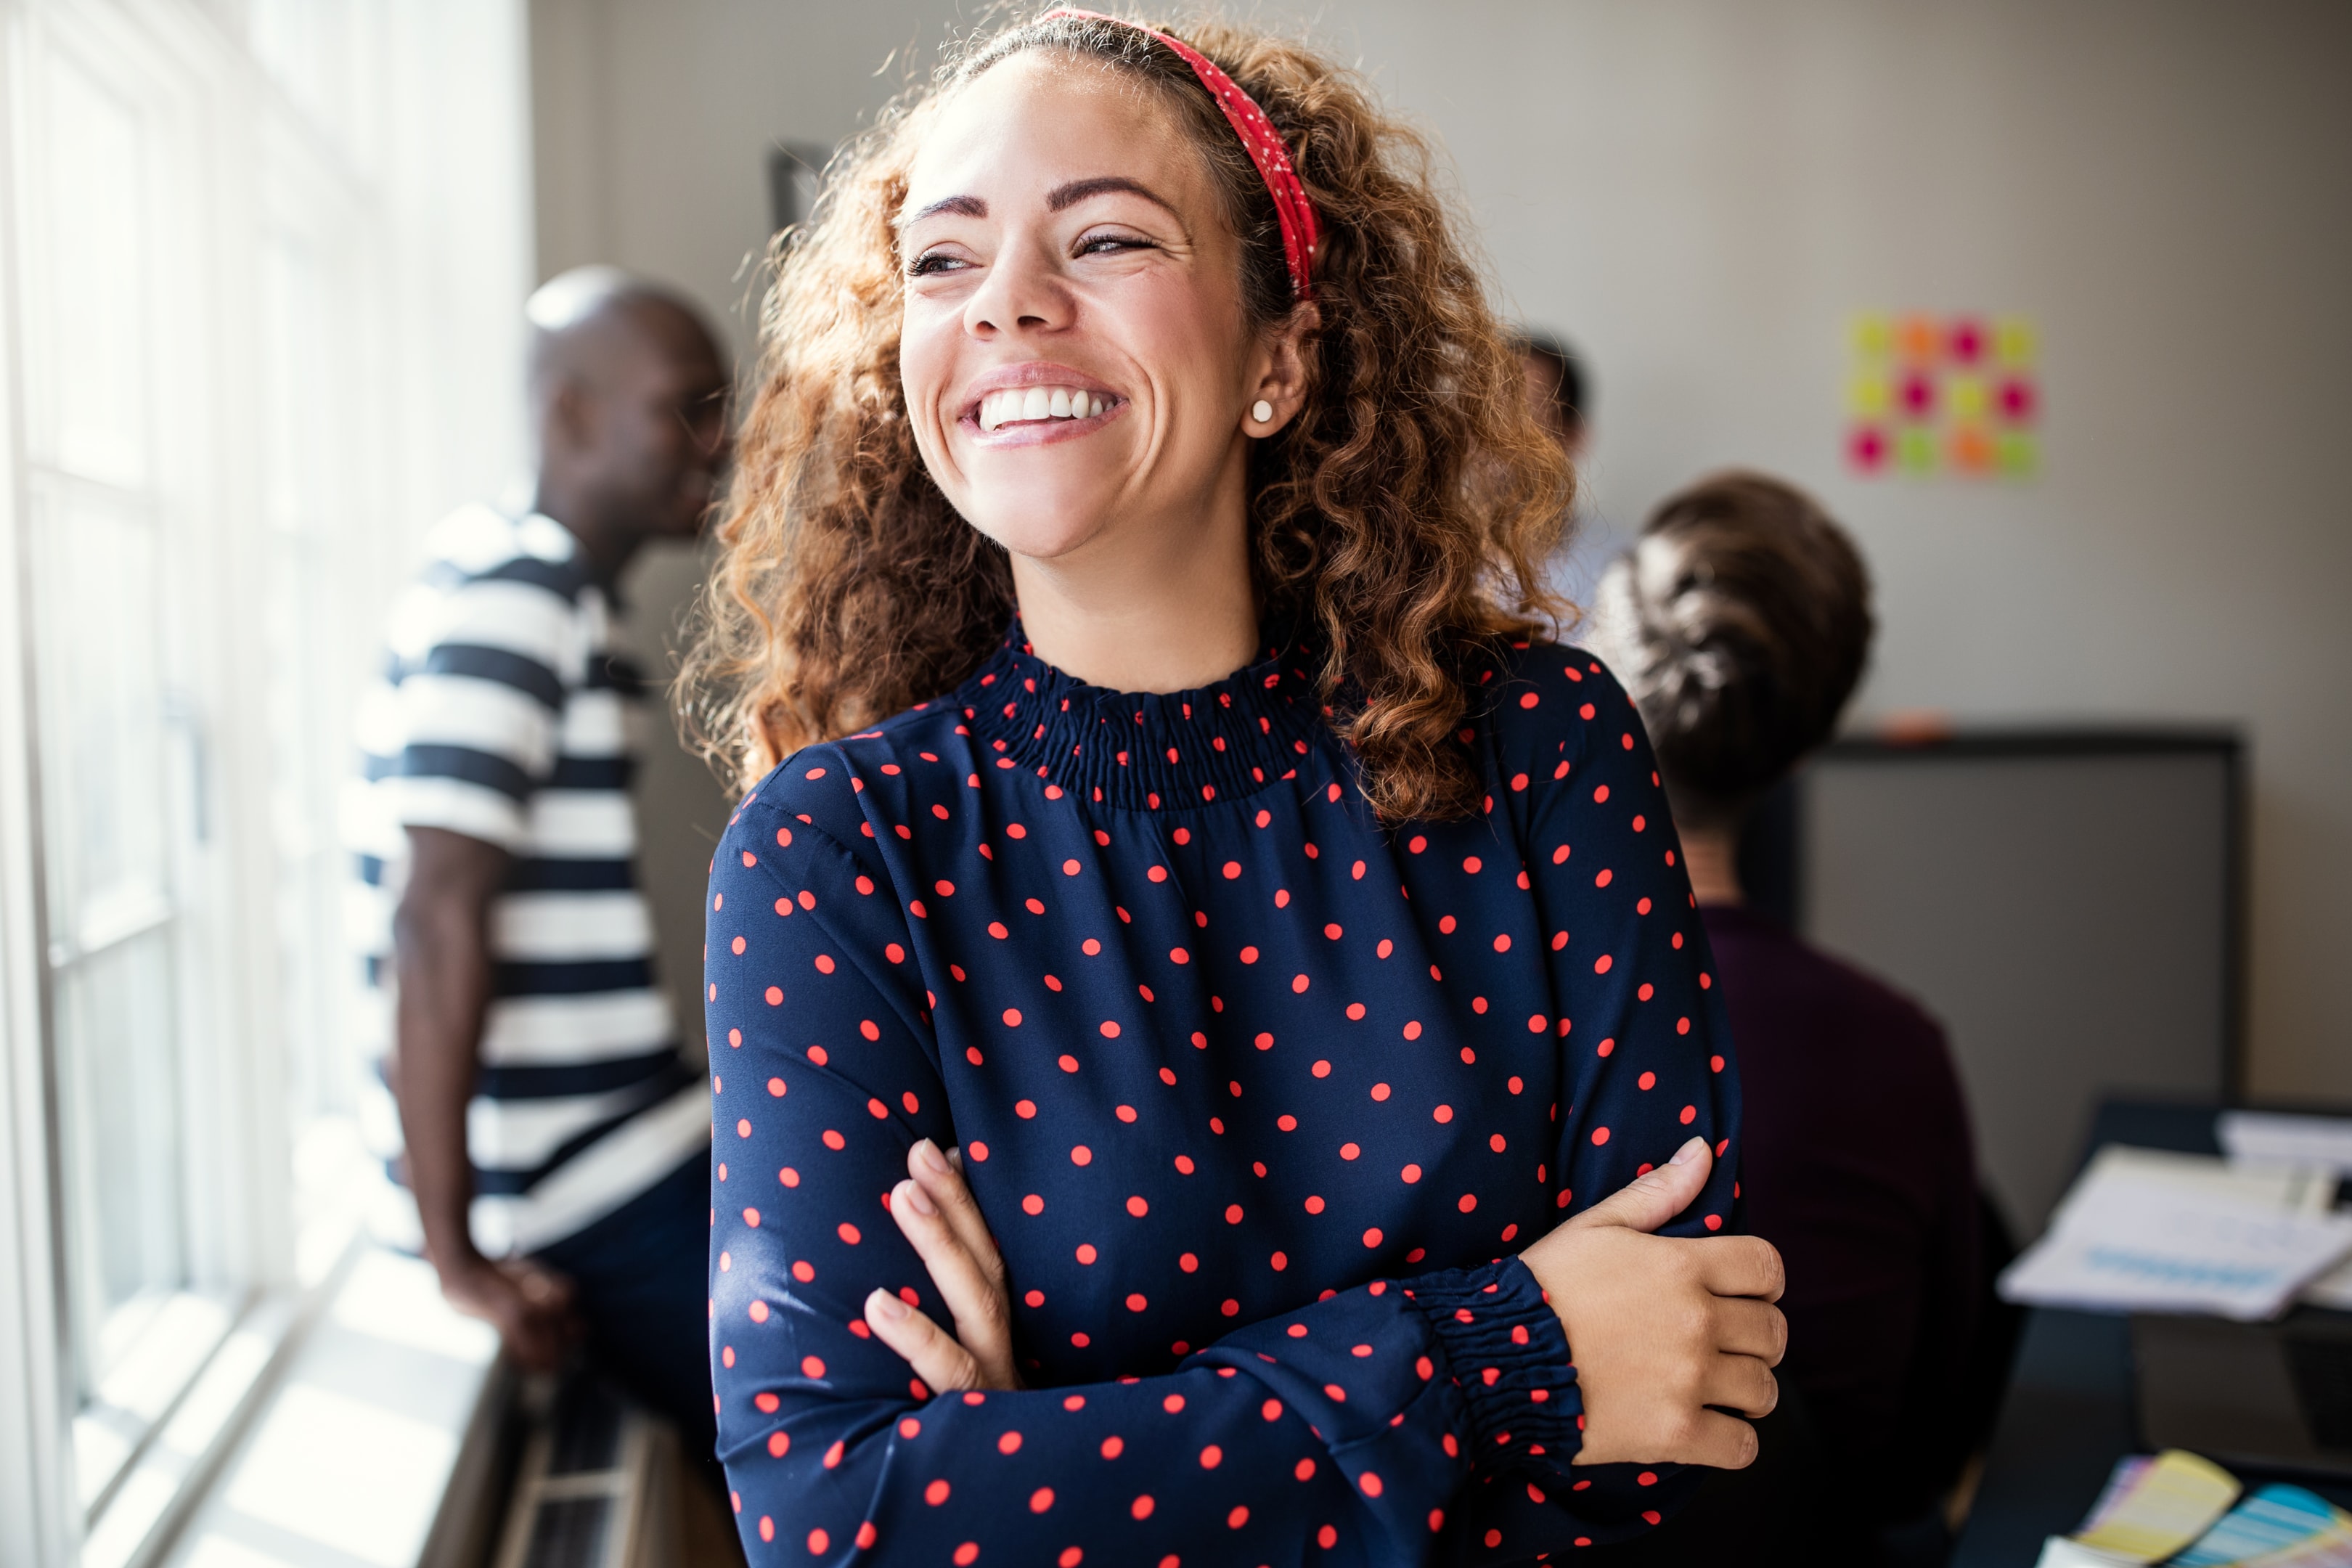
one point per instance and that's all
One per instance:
(1661, 1328)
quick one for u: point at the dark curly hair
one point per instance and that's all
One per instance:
(1400, 521)
(1740, 621)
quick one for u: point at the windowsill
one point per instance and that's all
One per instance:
(173, 1343)
(366, 1437)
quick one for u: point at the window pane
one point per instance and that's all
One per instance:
(104, 716)
(95, 366)
(120, 1067)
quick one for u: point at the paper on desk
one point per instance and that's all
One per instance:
(2271, 1522)
(2137, 1234)
(2276, 1138)
(2065, 1551)
(2333, 1289)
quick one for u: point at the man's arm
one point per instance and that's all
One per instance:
(441, 946)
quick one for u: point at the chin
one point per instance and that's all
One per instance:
(1041, 520)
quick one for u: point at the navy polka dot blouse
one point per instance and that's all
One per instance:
(1260, 1098)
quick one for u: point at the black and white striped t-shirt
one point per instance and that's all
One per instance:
(502, 715)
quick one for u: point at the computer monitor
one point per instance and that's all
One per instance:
(2068, 904)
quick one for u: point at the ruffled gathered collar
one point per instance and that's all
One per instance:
(1145, 751)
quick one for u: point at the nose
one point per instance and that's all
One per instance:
(1024, 291)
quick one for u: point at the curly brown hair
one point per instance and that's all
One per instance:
(1400, 521)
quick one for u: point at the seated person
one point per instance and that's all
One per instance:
(1740, 622)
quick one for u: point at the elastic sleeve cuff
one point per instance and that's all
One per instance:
(1508, 1356)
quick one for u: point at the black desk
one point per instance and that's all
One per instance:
(2069, 1414)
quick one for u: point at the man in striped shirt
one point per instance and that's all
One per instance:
(547, 1146)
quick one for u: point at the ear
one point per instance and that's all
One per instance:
(571, 417)
(1279, 371)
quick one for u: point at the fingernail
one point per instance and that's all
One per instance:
(915, 1195)
(886, 1304)
(929, 1153)
(1688, 1152)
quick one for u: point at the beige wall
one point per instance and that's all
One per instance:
(1699, 192)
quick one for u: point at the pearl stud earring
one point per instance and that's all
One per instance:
(1261, 411)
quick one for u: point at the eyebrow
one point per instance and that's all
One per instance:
(1076, 190)
(962, 206)
(1061, 199)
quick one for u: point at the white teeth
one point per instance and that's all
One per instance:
(1000, 408)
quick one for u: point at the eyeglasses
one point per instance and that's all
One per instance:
(706, 419)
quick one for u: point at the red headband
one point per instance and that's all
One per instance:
(1291, 207)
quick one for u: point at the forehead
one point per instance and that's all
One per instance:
(1047, 116)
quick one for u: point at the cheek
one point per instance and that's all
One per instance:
(926, 340)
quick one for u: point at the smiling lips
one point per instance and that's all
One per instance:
(1018, 404)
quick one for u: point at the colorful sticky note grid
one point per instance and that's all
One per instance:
(1928, 394)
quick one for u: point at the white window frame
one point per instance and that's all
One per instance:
(435, 220)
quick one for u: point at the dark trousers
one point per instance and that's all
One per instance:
(642, 1274)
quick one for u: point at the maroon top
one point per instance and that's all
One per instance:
(1859, 1168)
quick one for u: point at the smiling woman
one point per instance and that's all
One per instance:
(1199, 1075)
(852, 585)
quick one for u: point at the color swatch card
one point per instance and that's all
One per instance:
(2150, 1509)
(2174, 1509)
(2269, 1525)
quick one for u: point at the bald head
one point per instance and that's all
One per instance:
(628, 397)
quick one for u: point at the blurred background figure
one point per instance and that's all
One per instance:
(552, 1142)
(1560, 394)
(1555, 389)
(1740, 622)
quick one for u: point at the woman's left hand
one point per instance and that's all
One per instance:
(936, 1212)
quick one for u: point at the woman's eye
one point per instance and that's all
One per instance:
(1101, 243)
(932, 262)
